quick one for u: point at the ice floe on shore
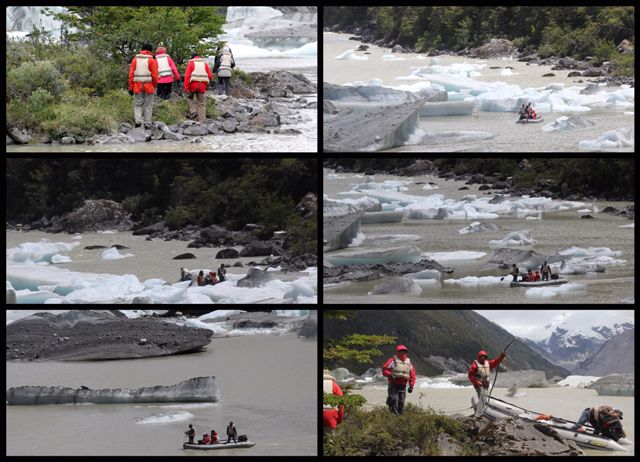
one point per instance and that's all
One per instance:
(553, 291)
(619, 138)
(40, 252)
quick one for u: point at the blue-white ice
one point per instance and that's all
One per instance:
(381, 256)
(350, 55)
(473, 282)
(113, 254)
(165, 418)
(619, 138)
(457, 255)
(65, 286)
(40, 252)
(554, 291)
(514, 239)
(589, 252)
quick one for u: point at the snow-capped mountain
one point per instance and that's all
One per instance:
(573, 337)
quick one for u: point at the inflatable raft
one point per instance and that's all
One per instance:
(553, 282)
(498, 409)
(530, 121)
(211, 447)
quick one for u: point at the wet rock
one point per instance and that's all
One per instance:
(257, 249)
(592, 72)
(125, 127)
(40, 224)
(255, 278)
(67, 140)
(238, 264)
(266, 119)
(309, 329)
(229, 126)
(362, 47)
(184, 256)
(140, 135)
(328, 107)
(195, 130)
(574, 74)
(197, 140)
(550, 74)
(586, 216)
(95, 247)
(484, 187)
(151, 229)
(228, 253)
(19, 136)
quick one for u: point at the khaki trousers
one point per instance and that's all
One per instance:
(196, 103)
(143, 104)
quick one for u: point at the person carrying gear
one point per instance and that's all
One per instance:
(399, 372)
(196, 78)
(143, 77)
(480, 371)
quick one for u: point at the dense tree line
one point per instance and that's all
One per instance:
(608, 177)
(227, 192)
(550, 31)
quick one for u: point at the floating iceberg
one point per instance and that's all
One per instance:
(477, 227)
(568, 123)
(613, 139)
(381, 217)
(113, 254)
(391, 58)
(403, 254)
(514, 239)
(455, 256)
(39, 252)
(169, 417)
(549, 292)
(472, 282)
(589, 252)
(430, 274)
(350, 55)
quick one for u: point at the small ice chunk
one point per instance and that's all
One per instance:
(632, 225)
(553, 291)
(57, 258)
(619, 138)
(350, 55)
(455, 255)
(514, 239)
(472, 282)
(590, 251)
(113, 254)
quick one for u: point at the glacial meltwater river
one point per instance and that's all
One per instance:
(555, 231)
(275, 406)
(395, 70)
(567, 403)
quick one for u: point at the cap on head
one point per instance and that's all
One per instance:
(482, 353)
(400, 348)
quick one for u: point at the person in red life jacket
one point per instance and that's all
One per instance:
(214, 437)
(480, 370)
(167, 70)
(331, 415)
(206, 439)
(196, 79)
(536, 276)
(143, 77)
(200, 279)
(399, 372)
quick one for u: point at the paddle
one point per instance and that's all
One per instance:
(495, 379)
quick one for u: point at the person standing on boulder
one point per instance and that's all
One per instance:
(143, 77)
(480, 371)
(399, 372)
(331, 415)
(167, 70)
(223, 66)
(196, 79)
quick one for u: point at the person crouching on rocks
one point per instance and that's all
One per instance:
(167, 70)
(191, 433)
(143, 77)
(196, 79)
(399, 372)
(480, 371)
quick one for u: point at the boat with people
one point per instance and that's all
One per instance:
(209, 447)
(530, 121)
(553, 282)
(495, 408)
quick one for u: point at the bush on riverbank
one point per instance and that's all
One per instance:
(66, 90)
(377, 432)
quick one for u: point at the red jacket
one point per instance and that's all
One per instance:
(147, 87)
(207, 439)
(387, 371)
(493, 363)
(195, 87)
(332, 417)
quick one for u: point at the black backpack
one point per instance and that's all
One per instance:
(243, 438)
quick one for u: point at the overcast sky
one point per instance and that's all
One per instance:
(519, 321)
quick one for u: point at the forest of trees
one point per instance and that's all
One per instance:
(227, 192)
(612, 178)
(577, 32)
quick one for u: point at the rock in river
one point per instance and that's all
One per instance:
(92, 335)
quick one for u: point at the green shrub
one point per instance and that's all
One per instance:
(178, 217)
(30, 76)
(242, 75)
(70, 120)
(83, 68)
(623, 65)
(169, 111)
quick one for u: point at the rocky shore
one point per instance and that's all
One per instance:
(498, 48)
(91, 335)
(492, 184)
(103, 214)
(261, 103)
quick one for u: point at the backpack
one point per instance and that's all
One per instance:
(243, 438)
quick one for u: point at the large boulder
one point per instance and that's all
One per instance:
(151, 229)
(308, 206)
(282, 83)
(397, 285)
(255, 278)
(217, 236)
(265, 119)
(227, 253)
(195, 130)
(140, 135)
(257, 249)
(94, 215)
(495, 48)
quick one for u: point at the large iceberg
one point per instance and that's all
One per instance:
(403, 254)
(619, 138)
(514, 239)
(40, 252)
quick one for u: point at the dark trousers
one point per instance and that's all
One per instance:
(396, 395)
(545, 276)
(229, 439)
(223, 82)
(164, 90)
